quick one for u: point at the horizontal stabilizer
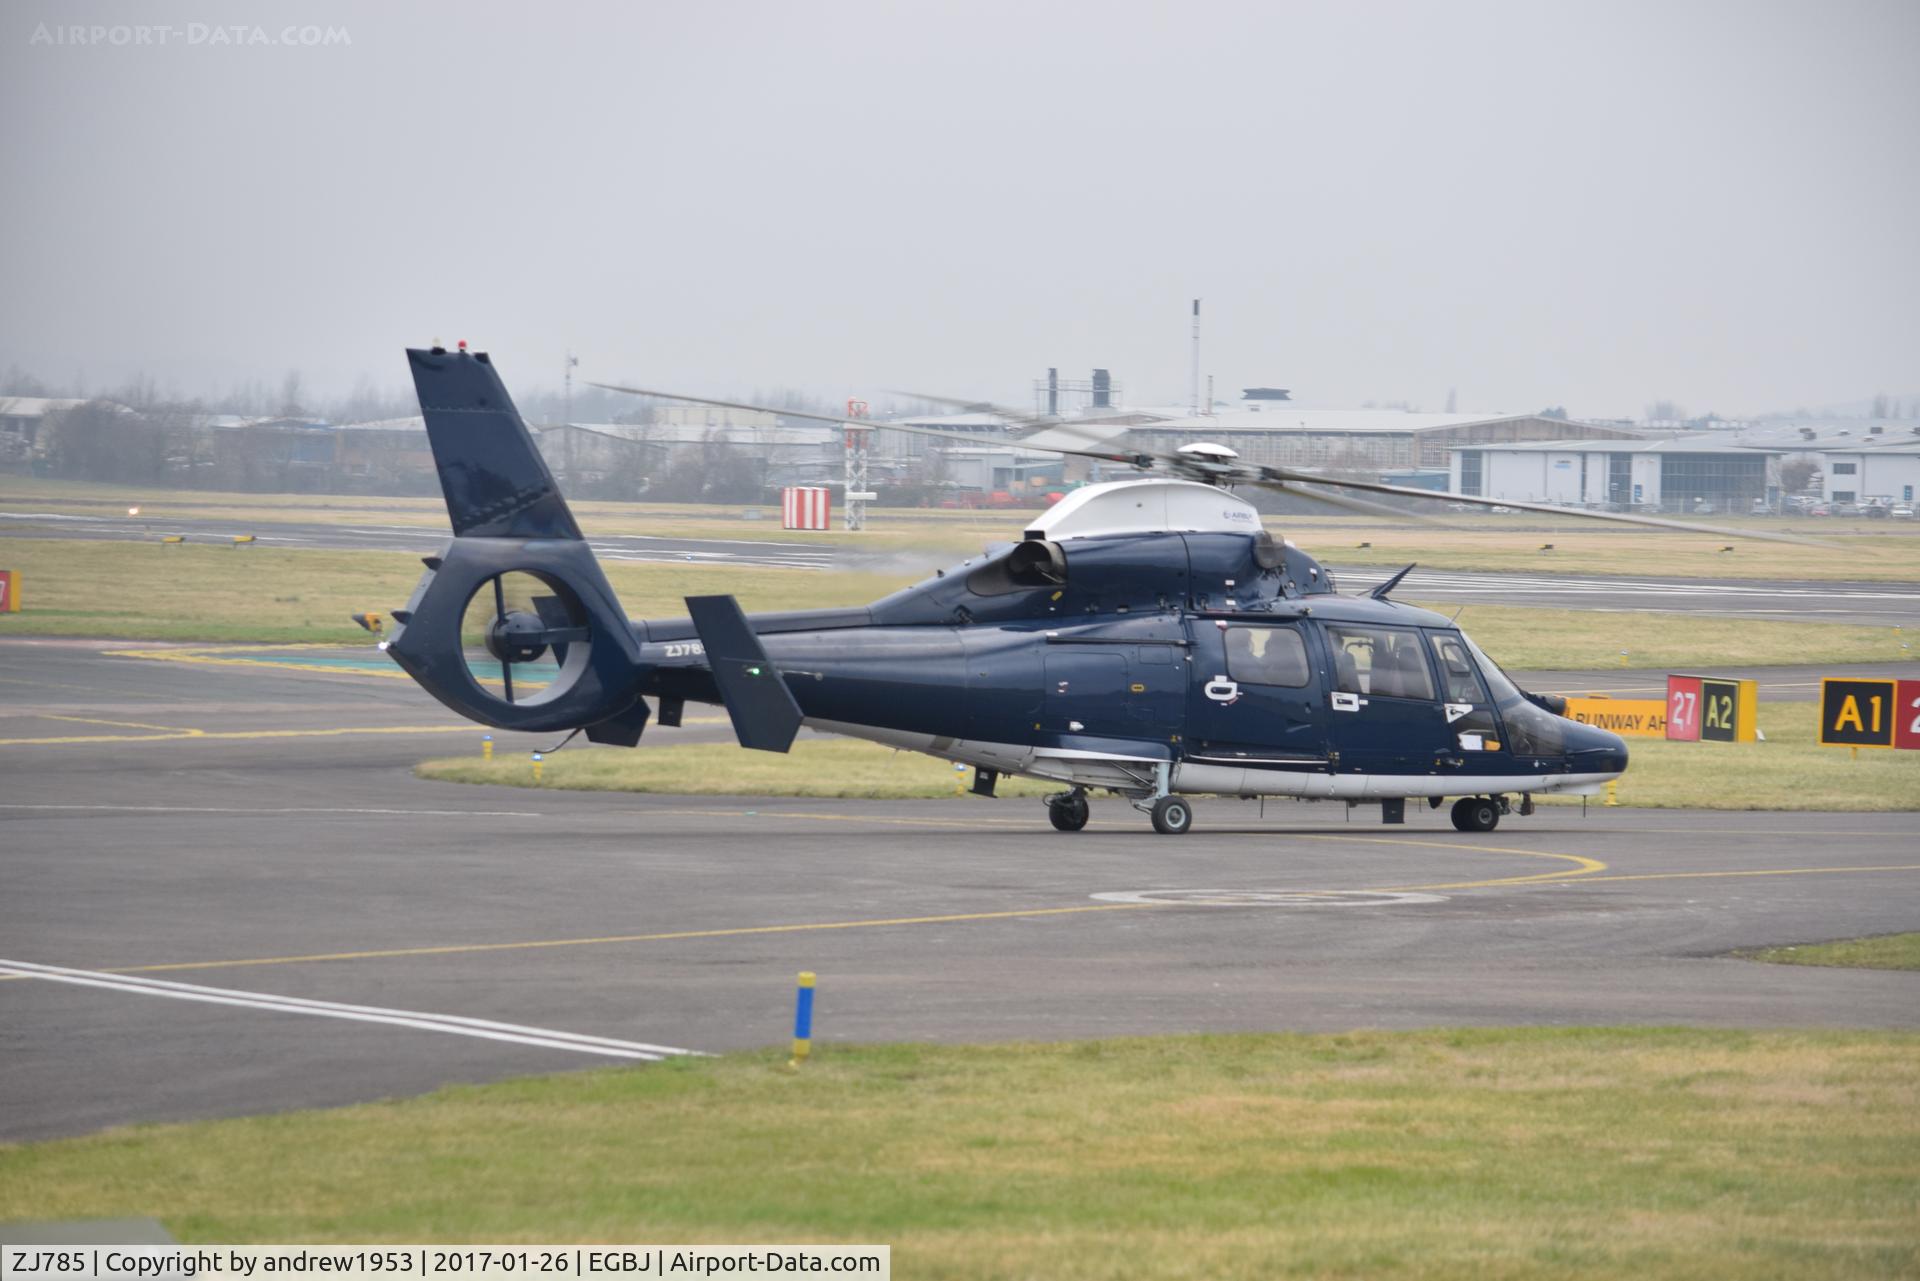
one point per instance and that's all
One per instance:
(764, 713)
(495, 482)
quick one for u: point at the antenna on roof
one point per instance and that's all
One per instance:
(1196, 357)
(1380, 592)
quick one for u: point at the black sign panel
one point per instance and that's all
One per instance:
(1856, 713)
(1719, 711)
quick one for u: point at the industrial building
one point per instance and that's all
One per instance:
(1281, 434)
(1872, 470)
(1860, 460)
(1681, 475)
(1724, 471)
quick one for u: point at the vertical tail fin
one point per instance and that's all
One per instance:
(495, 482)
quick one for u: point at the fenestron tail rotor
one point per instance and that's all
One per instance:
(517, 619)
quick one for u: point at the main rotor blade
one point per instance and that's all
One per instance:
(1360, 505)
(1015, 414)
(843, 421)
(1548, 509)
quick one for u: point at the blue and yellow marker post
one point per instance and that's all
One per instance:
(802, 1020)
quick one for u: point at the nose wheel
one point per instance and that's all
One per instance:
(1171, 815)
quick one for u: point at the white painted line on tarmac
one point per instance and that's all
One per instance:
(452, 1024)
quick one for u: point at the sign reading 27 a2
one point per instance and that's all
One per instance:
(1706, 709)
(1870, 713)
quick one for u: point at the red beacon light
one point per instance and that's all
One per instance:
(463, 344)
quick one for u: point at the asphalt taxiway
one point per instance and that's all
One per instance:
(227, 894)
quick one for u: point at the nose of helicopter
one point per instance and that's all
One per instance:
(1591, 750)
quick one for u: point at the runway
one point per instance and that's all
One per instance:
(341, 931)
(419, 540)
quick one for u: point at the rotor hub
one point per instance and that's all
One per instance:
(519, 637)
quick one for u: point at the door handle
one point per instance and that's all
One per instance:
(1448, 760)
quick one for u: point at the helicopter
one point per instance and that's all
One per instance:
(1147, 638)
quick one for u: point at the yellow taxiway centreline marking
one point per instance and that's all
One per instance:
(455, 949)
(871, 819)
(735, 932)
(1582, 866)
(214, 658)
(207, 735)
(1770, 871)
(95, 720)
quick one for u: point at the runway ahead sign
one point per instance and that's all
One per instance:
(1628, 717)
(1870, 713)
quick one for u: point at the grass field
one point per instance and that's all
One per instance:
(1879, 550)
(1866, 549)
(1597, 1153)
(144, 591)
(949, 532)
(1790, 771)
(1787, 772)
(1881, 952)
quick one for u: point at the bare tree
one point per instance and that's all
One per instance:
(103, 441)
(1799, 474)
(290, 395)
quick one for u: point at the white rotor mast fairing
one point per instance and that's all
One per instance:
(1145, 507)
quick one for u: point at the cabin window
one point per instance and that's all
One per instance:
(1382, 661)
(1267, 656)
(1456, 671)
(1531, 729)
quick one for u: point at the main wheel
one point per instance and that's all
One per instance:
(1172, 815)
(1475, 814)
(1069, 815)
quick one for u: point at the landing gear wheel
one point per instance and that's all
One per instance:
(1476, 814)
(1172, 815)
(1069, 815)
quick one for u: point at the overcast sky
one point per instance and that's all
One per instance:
(1593, 205)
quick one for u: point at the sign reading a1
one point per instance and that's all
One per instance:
(1858, 713)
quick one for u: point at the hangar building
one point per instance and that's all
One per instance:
(1282, 434)
(1682, 475)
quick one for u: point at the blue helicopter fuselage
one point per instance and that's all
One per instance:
(1227, 658)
